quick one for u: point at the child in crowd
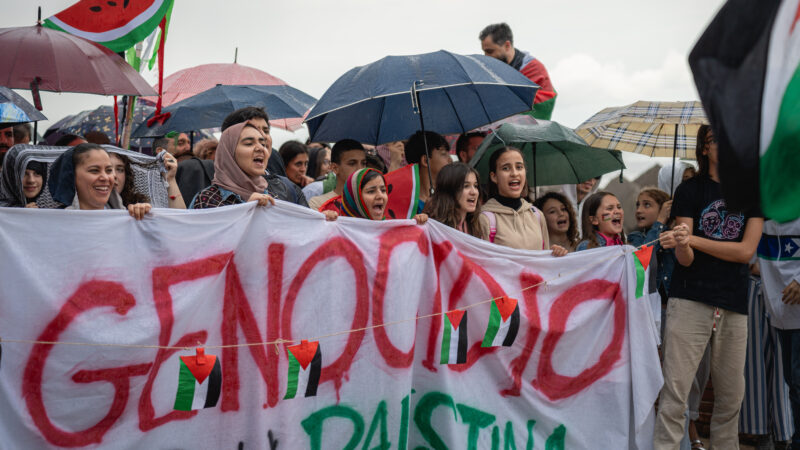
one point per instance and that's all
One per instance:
(562, 226)
(364, 195)
(21, 185)
(602, 221)
(653, 207)
(456, 202)
(507, 218)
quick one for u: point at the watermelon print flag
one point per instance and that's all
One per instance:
(746, 66)
(199, 382)
(305, 366)
(118, 25)
(402, 189)
(454, 338)
(641, 260)
(503, 323)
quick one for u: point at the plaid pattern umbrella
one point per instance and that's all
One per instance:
(648, 128)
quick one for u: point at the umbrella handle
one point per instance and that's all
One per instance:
(674, 153)
(417, 106)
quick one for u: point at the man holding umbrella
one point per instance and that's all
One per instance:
(497, 41)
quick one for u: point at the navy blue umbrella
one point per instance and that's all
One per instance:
(379, 102)
(14, 109)
(100, 119)
(209, 108)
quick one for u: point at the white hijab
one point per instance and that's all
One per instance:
(665, 175)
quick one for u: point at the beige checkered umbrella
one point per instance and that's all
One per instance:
(648, 128)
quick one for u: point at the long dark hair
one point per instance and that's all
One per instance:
(443, 203)
(493, 190)
(590, 209)
(702, 159)
(129, 194)
(572, 231)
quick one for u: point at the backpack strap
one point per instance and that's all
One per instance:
(492, 224)
(538, 216)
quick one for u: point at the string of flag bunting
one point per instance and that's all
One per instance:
(200, 375)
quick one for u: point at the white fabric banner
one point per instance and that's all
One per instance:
(583, 371)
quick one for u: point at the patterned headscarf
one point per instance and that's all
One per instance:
(11, 179)
(352, 202)
(227, 173)
(146, 174)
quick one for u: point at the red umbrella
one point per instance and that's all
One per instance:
(62, 62)
(194, 80)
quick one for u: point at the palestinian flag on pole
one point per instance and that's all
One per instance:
(454, 338)
(305, 366)
(746, 67)
(117, 25)
(503, 323)
(199, 382)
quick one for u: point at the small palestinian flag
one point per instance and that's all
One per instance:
(305, 365)
(503, 323)
(454, 338)
(199, 382)
(641, 259)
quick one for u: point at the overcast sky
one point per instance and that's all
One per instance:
(599, 54)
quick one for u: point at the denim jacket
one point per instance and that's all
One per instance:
(664, 258)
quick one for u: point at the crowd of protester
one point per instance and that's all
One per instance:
(704, 271)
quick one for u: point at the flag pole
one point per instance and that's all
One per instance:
(128, 124)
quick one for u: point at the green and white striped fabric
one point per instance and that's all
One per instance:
(779, 163)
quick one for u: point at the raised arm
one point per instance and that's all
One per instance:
(176, 201)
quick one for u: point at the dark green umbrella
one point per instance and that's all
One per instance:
(553, 154)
